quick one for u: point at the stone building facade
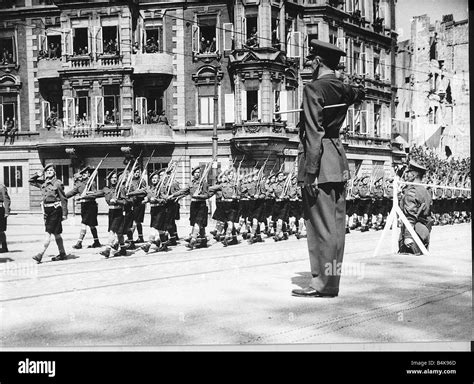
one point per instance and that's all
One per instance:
(432, 106)
(126, 78)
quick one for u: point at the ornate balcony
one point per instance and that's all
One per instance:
(152, 63)
(255, 137)
(109, 60)
(48, 68)
(80, 62)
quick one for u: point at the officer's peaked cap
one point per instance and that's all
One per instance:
(49, 165)
(329, 53)
(417, 167)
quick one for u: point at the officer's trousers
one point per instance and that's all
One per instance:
(325, 217)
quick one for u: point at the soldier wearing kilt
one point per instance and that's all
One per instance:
(269, 203)
(54, 203)
(198, 211)
(89, 208)
(244, 187)
(227, 207)
(257, 213)
(295, 209)
(378, 205)
(4, 213)
(437, 195)
(156, 195)
(115, 198)
(138, 208)
(353, 207)
(280, 208)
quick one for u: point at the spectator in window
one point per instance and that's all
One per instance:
(277, 118)
(151, 46)
(135, 48)
(253, 40)
(7, 57)
(8, 130)
(52, 51)
(203, 47)
(136, 118)
(52, 119)
(213, 45)
(84, 51)
(162, 119)
(108, 118)
(275, 39)
(254, 113)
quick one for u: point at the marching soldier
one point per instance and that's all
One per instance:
(323, 168)
(138, 208)
(365, 203)
(89, 208)
(54, 203)
(257, 213)
(4, 213)
(199, 192)
(416, 205)
(378, 205)
(269, 203)
(114, 194)
(280, 208)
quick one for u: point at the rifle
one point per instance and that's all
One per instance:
(145, 171)
(130, 177)
(238, 178)
(203, 177)
(92, 177)
(260, 174)
(122, 179)
(171, 179)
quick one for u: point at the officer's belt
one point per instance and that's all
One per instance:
(157, 205)
(57, 204)
(115, 206)
(227, 200)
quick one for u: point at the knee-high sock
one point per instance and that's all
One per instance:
(82, 234)
(94, 233)
(140, 229)
(60, 244)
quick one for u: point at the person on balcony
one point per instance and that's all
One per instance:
(135, 48)
(151, 45)
(52, 119)
(275, 39)
(54, 205)
(109, 118)
(254, 113)
(162, 119)
(136, 118)
(7, 57)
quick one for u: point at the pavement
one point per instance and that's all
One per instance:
(236, 296)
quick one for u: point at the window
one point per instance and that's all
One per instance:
(111, 104)
(294, 44)
(228, 36)
(7, 51)
(332, 35)
(81, 41)
(49, 46)
(357, 120)
(206, 110)
(82, 115)
(377, 66)
(377, 115)
(205, 36)
(407, 114)
(110, 45)
(62, 173)
(13, 176)
(153, 39)
(251, 32)
(7, 113)
(152, 167)
(50, 116)
(407, 79)
(252, 105)
(311, 34)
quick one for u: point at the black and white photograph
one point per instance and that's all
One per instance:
(235, 175)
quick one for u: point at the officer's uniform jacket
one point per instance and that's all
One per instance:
(320, 151)
(416, 204)
(52, 191)
(5, 199)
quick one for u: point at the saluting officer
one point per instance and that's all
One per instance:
(54, 203)
(4, 213)
(416, 204)
(323, 168)
(89, 208)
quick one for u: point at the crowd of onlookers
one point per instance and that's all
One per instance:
(446, 170)
(7, 57)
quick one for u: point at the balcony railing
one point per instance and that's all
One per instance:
(80, 62)
(86, 131)
(109, 60)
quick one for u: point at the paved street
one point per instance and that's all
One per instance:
(234, 295)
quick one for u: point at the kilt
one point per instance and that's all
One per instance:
(198, 213)
(377, 207)
(158, 217)
(258, 210)
(281, 210)
(296, 209)
(116, 220)
(176, 207)
(172, 209)
(364, 206)
(89, 211)
(3, 220)
(138, 212)
(269, 207)
(226, 211)
(244, 208)
(53, 218)
(351, 205)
